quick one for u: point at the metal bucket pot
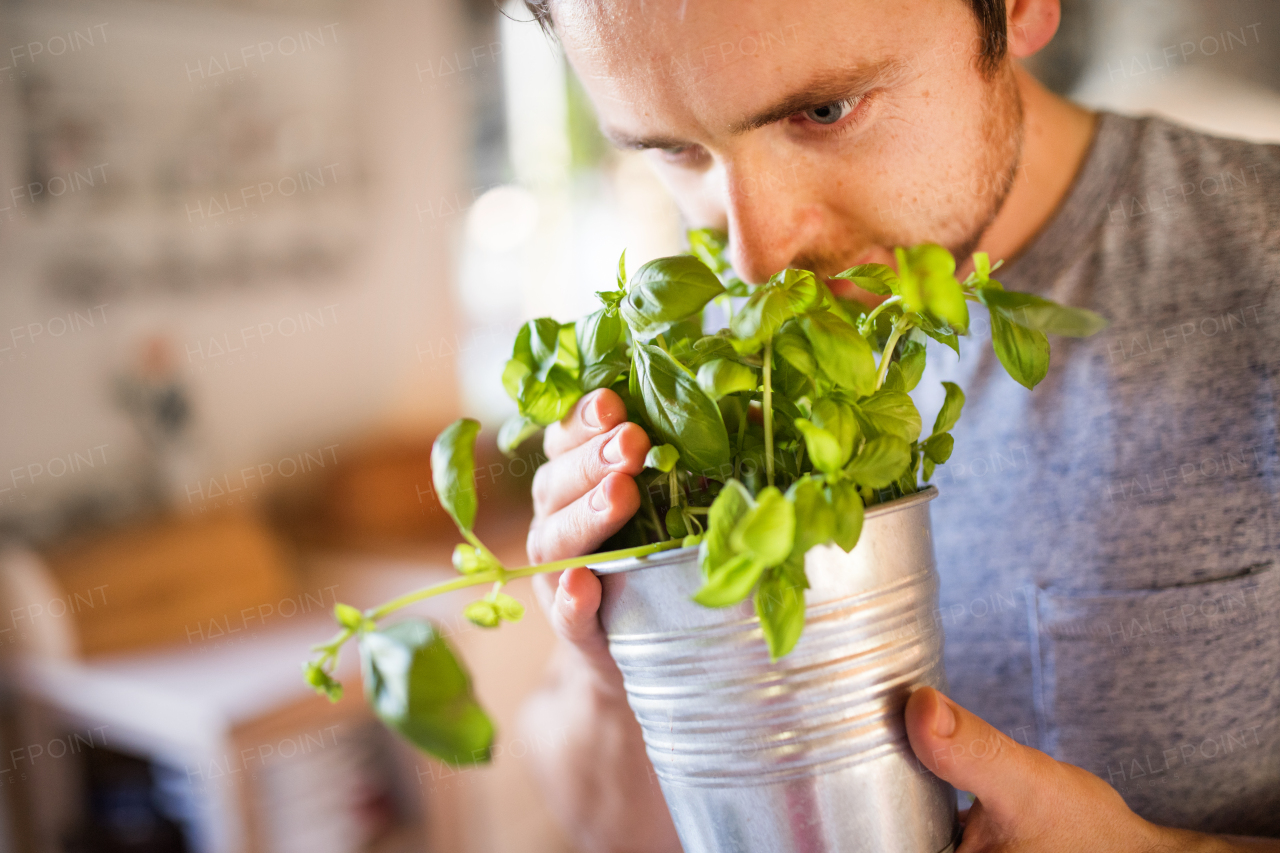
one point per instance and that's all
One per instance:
(809, 754)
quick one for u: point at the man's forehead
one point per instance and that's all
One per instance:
(658, 67)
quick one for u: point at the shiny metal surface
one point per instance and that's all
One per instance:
(809, 754)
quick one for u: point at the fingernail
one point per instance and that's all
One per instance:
(598, 501)
(612, 452)
(945, 724)
(590, 416)
(564, 590)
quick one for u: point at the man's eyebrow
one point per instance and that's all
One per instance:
(825, 89)
(829, 87)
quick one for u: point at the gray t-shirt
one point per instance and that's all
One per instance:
(1108, 542)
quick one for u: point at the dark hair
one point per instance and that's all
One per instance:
(990, 15)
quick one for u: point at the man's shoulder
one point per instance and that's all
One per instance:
(1172, 161)
(1176, 190)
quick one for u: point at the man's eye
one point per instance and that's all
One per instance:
(683, 155)
(833, 112)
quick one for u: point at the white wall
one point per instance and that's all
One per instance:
(398, 145)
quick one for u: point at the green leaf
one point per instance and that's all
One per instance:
(483, 613)
(729, 507)
(815, 517)
(1042, 315)
(693, 353)
(950, 411)
(544, 342)
(940, 332)
(823, 447)
(1023, 352)
(938, 448)
(509, 608)
(720, 376)
(521, 363)
(516, 430)
(926, 468)
(843, 355)
(599, 335)
(764, 312)
(611, 299)
(710, 245)
(453, 462)
(847, 505)
(469, 561)
(892, 413)
(674, 522)
(663, 457)
(417, 687)
(348, 616)
(893, 379)
(837, 418)
(768, 530)
(880, 462)
(730, 582)
(911, 357)
(982, 265)
(622, 271)
(666, 291)
(544, 403)
(779, 602)
(927, 281)
(799, 287)
(794, 348)
(876, 278)
(680, 413)
(322, 681)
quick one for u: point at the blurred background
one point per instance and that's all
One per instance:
(253, 255)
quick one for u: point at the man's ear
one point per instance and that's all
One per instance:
(1032, 24)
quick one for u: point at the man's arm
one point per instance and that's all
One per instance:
(596, 777)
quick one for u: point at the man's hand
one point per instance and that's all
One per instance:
(585, 492)
(1027, 801)
(595, 774)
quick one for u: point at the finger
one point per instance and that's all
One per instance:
(575, 614)
(569, 476)
(583, 525)
(967, 751)
(571, 601)
(596, 413)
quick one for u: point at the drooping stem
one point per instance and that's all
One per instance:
(494, 575)
(875, 312)
(768, 410)
(899, 326)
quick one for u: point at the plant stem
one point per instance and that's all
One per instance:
(899, 326)
(768, 410)
(646, 501)
(492, 575)
(875, 312)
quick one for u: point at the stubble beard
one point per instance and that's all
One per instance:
(1002, 142)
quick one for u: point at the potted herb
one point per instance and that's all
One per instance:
(777, 435)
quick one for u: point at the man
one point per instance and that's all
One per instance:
(1106, 542)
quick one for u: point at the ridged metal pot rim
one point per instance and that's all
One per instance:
(676, 555)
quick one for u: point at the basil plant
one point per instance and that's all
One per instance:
(769, 437)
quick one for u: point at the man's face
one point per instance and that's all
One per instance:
(819, 133)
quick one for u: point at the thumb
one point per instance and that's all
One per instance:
(962, 748)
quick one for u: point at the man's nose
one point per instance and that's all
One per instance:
(769, 222)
